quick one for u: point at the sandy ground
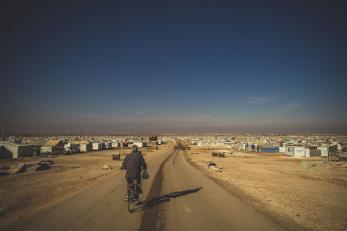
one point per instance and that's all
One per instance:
(178, 196)
(31, 190)
(309, 192)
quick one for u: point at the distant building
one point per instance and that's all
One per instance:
(138, 144)
(304, 151)
(53, 146)
(343, 152)
(114, 145)
(84, 146)
(96, 146)
(281, 149)
(312, 151)
(269, 149)
(299, 151)
(324, 150)
(37, 144)
(14, 151)
(289, 150)
(242, 146)
(71, 148)
(106, 145)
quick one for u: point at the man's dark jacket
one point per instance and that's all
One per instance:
(133, 163)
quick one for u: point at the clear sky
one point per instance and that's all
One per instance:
(171, 66)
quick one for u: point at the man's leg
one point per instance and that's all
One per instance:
(129, 181)
(138, 178)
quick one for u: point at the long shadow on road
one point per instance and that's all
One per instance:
(165, 198)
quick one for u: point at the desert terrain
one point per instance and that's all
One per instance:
(24, 193)
(177, 196)
(244, 191)
(310, 192)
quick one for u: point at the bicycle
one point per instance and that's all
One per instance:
(134, 196)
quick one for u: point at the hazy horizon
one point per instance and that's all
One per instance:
(147, 67)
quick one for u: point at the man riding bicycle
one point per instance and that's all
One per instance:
(133, 164)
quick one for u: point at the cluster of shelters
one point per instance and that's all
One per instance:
(291, 145)
(324, 150)
(212, 142)
(11, 150)
(297, 150)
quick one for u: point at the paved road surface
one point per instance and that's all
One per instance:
(181, 198)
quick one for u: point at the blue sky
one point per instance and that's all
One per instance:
(174, 67)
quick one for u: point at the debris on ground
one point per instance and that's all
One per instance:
(18, 168)
(44, 165)
(48, 162)
(107, 167)
(116, 156)
(218, 154)
(221, 154)
(212, 165)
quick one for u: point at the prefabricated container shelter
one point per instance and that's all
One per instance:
(289, 150)
(106, 145)
(324, 150)
(71, 148)
(14, 151)
(282, 149)
(37, 144)
(140, 144)
(312, 152)
(242, 146)
(53, 146)
(269, 149)
(96, 146)
(85, 147)
(114, 145)
(343, 153)
(299, 151)
(5, 153)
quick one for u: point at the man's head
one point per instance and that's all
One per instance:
(135, 148)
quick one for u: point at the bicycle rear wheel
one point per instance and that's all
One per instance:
(131, 200)
(138, 195)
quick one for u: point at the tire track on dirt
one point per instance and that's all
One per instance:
(151, 214)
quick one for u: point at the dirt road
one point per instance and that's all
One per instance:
(176, 197)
